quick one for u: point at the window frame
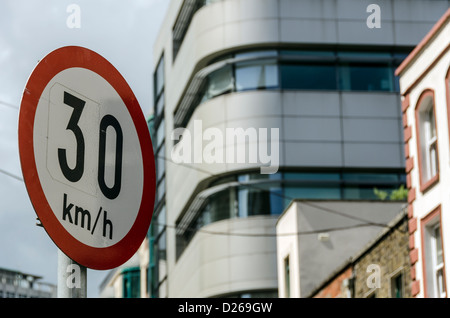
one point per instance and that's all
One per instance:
(287, 276)
(156, 268)
(398, 273)
(447, 95)
(430, 222)
(129, 277)
(283, 57)
(424, 161)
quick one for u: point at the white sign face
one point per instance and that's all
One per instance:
(89, 158)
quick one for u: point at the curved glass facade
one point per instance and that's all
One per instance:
(241, 196)
(332, 70)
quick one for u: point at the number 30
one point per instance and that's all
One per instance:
(76, 173)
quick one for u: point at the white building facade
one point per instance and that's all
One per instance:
(309, 85)
(313, 242)
(16, 284)
(424, 82)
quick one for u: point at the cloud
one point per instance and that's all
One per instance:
(123, 32)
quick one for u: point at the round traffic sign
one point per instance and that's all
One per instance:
(87, 157)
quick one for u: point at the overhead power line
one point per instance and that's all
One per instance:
(9, 105)
(300, 233)
(365, 222)
(11, 175)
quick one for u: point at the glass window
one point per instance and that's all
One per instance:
(427, 137)
(397, 286)
(160, 134)
(160, 105)
(311, 192)
(438, 261)
(259, 194)
(258, 176)
(370, 177)
(307, 176)
(430, 140)
(157, 265)
(219, 82)
(160, 163)
(366, 77)
(256, 75)
(307, 53)
(365, 56)
(219, 206)
(297, 70)
(131, 283)
(256, 54)
(161, 190)
(308, 76)
(287, 278)
(159, 78)
(260, 199)
(161, 221)
(436, 287)
(161, 241)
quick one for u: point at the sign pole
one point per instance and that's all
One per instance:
(72, 278)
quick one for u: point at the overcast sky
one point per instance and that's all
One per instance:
(121, 31)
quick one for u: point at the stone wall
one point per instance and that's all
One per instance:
(376, 268)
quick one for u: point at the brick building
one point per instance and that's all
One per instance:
(381, 269)
(425, 90)
(326, 245)
(390, 253)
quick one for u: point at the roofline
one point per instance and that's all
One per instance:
(392, 225)
(298, 200)
(418, 49)
(36, 277)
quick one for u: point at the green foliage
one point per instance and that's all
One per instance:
(399, 194)
(382, 195)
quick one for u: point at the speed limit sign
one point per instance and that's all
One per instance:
(86, 157)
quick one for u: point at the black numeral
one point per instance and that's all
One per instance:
(76, 173)
(113, 192)
(73, 174)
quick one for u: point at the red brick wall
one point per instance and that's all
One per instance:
(411, 197)
(334, 288)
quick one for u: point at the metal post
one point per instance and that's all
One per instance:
(72, 278)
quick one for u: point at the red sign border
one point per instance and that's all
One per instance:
(88, 256)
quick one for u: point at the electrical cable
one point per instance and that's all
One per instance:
(11, 175)
(300, 233)
(306, 202)
(9, 105)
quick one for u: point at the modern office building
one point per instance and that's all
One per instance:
(16, 284)
(258, 102)
(425, 89)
